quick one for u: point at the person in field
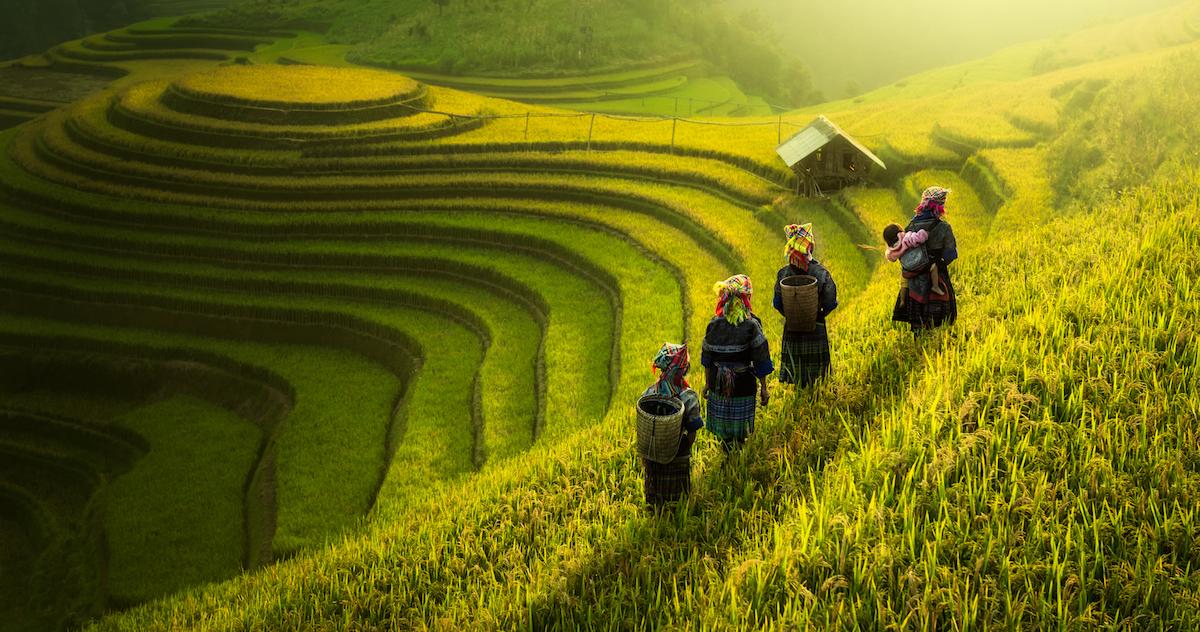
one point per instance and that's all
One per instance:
(737, 359)
(901, 242)
(665, 483)
(804, 356)
(917, 304)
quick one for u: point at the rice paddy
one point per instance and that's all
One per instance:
(303, 347)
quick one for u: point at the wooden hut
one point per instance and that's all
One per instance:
(825, 158)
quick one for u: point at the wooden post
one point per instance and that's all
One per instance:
(591, 126)
(674, 124)
(526, 125)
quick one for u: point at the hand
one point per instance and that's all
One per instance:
(763, 395)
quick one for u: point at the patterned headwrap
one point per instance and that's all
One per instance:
(672, 364)
(933, 199)
(733, 298)
(800, 243)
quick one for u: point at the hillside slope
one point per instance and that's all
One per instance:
(544, 38)
(29, 26)
(415, 335)
(902, 39)
(1034, 466)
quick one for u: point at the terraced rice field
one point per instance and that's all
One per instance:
(679, 89)
(496, 298)
(179, 7)
(159, 47)
(393, 331)
(27, 93)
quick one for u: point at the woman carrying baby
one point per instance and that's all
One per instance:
(927, 298)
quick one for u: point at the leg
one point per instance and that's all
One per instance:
(936, 279)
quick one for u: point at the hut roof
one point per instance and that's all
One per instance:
(818, 134)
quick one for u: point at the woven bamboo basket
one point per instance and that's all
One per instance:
(800, 302)
(659, 428)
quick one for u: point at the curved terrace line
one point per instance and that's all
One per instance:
(178, 370)
(235, 258)
(390, 348)
(455, 310)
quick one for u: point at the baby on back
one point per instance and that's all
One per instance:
(908, 247)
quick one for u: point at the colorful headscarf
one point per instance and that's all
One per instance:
(733, 298)
(933, 200)
(672, 364)
(800, 243)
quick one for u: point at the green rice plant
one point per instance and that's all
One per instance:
(103, 449)
(305, 514)
(9, 118)
(181, 101)
(179, 7)
(875, 208)
(131, 377)
(304, 369)
(685, 207)
(1028, 468)
(89, 127)
(140, 108)
(1036, 114)
(485, 85)
(535, 281)
(773, 173)
(699, 96)
(406, 465)
(679, 207)
(588, 95)
(966, 140)
(118, 380)
(298, 87)
(78, 52)
(662, 240)
(23, 105)
(27, 528)
(167, 41)
(509, 387)
(474, 449)
(168, 528)
(978, 173)
(1024, 175)
(52, 490)
(171, 27)
(972, 221)
(467, 227)
(62, 61)
(1035, 425)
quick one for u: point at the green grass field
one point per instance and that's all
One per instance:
(280, 353)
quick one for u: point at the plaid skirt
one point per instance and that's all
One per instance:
(805, 356)
(665, 483)
(919, 316)
(731, 418)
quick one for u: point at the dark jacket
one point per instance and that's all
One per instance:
(743, 344)
(941, 245)
(826, 288)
